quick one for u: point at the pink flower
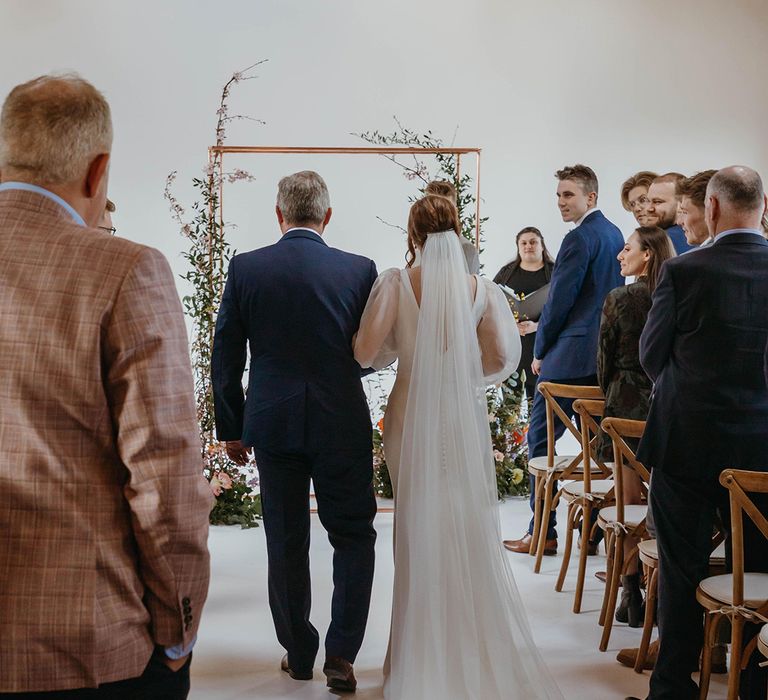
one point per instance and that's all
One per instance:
(498, 456)
(215, 485)
(224, 479)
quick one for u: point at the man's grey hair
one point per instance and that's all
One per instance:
(303, 198)
(51, 128)
(738, 187)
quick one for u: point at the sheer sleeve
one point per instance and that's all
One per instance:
(498, 336)
(374, 343)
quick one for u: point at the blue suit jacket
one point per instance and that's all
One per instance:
(585, 271)
(679, 241)
(703, 347)
(296, 304)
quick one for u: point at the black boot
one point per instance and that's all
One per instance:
(631, 606)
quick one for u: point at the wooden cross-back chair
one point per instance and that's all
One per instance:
(551, 468)
(620, 520)
(586, 495)
(741, 596)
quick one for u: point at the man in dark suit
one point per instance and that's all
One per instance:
(297, 304)
(663, 207)
(586, 269)
(703, 347)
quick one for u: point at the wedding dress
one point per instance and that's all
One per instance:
(459, 629)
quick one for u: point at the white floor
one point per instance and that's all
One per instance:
(237, 655)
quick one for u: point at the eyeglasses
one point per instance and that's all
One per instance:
(112, 230)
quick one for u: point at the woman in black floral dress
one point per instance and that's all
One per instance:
(626, 387)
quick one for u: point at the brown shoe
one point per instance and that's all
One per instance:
(601, 576)
(591, 547)
(523, 546)
(296, 675)
(627, 657)
(340, 674)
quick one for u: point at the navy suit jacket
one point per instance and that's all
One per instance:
(296, 304)
(703, 347)
(679, 241)
(585, 271)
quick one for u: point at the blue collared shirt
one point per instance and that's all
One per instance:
(731, 231)
(26, 187)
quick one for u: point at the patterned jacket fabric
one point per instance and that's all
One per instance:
(103, 506)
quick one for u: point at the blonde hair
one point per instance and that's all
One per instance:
(52, 127)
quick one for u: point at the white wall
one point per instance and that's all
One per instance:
(620, 86)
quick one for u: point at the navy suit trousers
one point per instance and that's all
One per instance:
(343, 484)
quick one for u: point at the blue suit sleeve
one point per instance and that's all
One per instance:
(365, 371)
(228, 363)
(567, 280)
(659, 331)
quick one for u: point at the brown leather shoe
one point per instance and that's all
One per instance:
(296, 675)
(591, 548)
(340, 674)
(627, 657)
(601, 576)
(523, 546)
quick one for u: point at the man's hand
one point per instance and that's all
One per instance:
(536, 366)
(173, 664)
(237, 452)
(526, 327)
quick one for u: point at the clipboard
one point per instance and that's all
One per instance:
(530, 307)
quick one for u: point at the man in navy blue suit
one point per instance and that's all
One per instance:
(296, 305)
(703, 346)
(663, 205)
(585, 271)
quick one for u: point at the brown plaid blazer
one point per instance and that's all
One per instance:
(103, 506)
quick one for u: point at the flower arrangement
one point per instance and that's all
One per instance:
(506, 407)
(207, 255)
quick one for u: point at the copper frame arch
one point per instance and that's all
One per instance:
(216, 159)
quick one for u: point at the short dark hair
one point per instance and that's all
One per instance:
(642, 179)
(695, 187)
(581, 174)
(739, 186)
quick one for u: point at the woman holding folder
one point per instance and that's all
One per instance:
(529, 272)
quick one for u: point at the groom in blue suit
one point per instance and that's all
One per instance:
(585, 271)
(296, 305)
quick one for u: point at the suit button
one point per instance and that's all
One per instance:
(185, 601)
(187, 618)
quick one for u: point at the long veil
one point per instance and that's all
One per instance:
(459, 628)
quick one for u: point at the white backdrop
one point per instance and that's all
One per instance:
(620, 86)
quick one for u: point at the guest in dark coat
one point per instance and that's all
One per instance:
(530, 271)
(624, 382)
(703, 348)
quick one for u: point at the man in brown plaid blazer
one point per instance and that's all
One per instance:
(103, 507)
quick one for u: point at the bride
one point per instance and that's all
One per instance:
(459, 629)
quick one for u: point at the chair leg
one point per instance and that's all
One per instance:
(573, 509)
(734, 673)
(539, 482)
(549, 485)
(711, 623)
(650, 605)
(608, 574)
(586, 531)
(616, 570)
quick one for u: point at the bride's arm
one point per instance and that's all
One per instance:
(374, 344)
(498, 336)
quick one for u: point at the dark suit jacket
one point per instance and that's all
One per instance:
(296, 304)
(585, 271)
(703, 347)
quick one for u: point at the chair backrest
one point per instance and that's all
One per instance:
(623, 455)
(589, 410)
(551, 391)
(739, 483)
